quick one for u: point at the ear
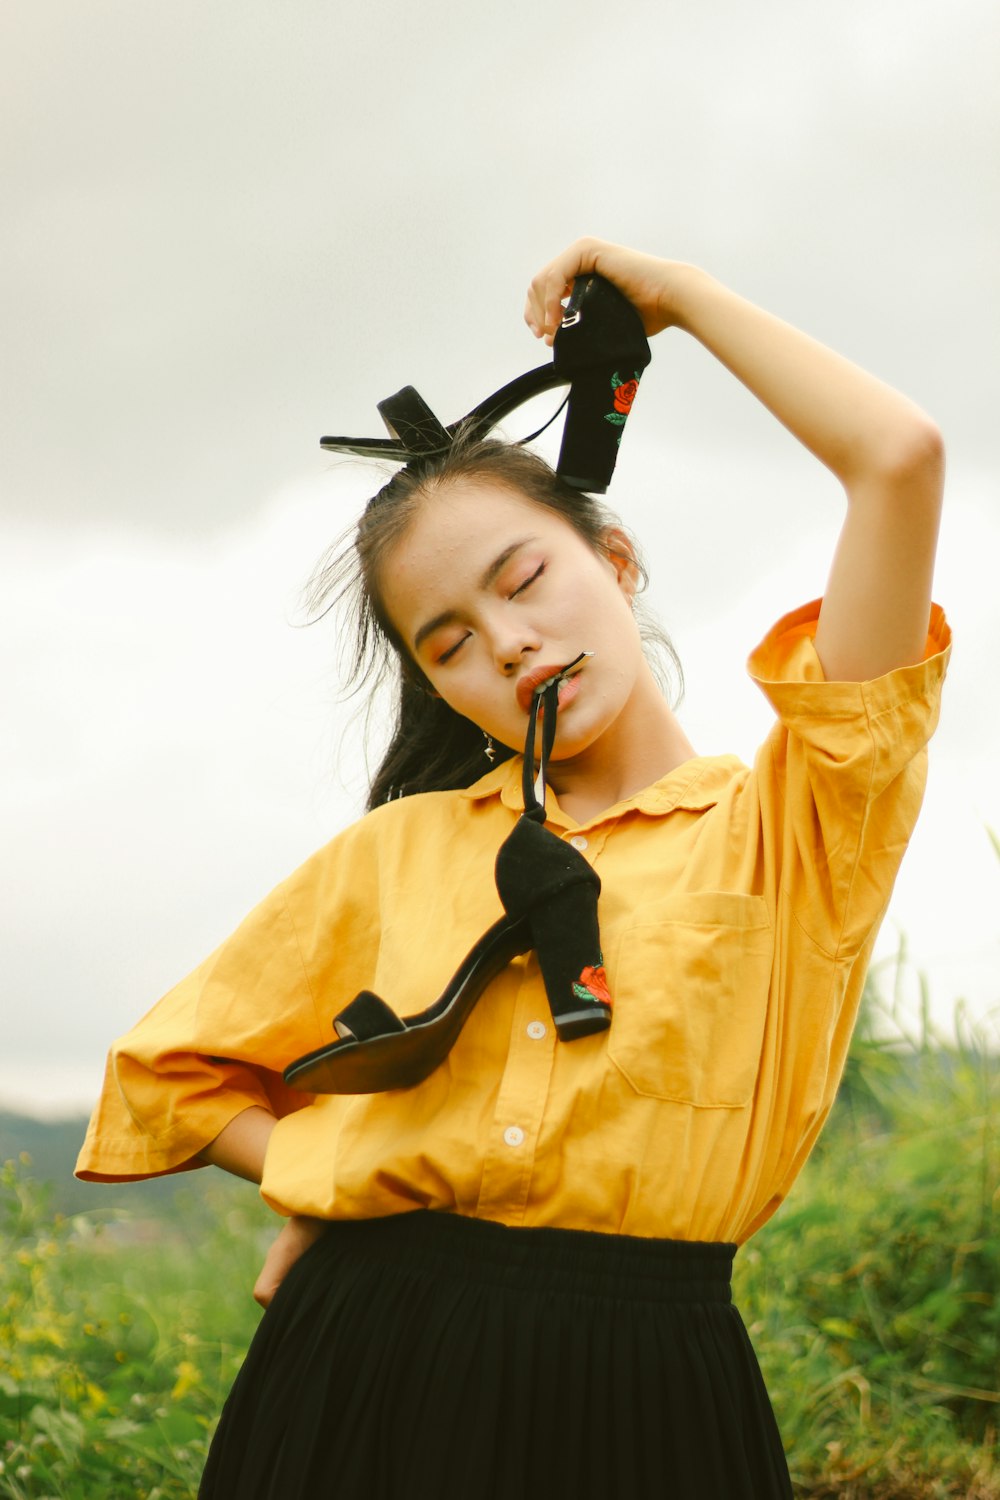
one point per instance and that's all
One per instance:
(621, 555)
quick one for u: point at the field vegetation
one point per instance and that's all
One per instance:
(871, 1298)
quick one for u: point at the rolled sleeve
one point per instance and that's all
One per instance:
(217, 1043)
(839, 782)
(843, 773)
(169, 1090)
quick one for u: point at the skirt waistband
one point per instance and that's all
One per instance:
(584, 1261)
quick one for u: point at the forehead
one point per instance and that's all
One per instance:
(463, 516)
(459, 530)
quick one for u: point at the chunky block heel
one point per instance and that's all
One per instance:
(544, 881)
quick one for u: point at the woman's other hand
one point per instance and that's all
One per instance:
(653, 286)
(294, 1240)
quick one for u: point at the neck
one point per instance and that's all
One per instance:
(645, 743)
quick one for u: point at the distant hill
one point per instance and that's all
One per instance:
(53, 1146)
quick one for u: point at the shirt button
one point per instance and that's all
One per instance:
(513, 1135)
(536, 1030)
(579, 842)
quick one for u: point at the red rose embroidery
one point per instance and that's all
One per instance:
(595, 982)
(625, 395)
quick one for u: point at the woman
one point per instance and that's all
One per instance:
(512, 1277)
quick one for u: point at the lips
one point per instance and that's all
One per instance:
(534, 679)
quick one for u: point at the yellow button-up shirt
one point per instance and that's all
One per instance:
(738, 911)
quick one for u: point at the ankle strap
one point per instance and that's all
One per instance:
(532, 783)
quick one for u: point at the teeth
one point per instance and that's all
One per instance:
(564, 673)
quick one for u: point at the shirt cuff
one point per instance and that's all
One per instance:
(789, 673)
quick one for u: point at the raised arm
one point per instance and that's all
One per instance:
(885, 451)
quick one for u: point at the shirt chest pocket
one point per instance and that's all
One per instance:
(690, 985)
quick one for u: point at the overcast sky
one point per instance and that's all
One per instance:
(231, 228)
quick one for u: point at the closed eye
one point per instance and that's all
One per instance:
(528, 581)
(532, 578)
(451, 650)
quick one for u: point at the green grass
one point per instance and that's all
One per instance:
(872, 1294)
(871, 1298)
(119, 1337)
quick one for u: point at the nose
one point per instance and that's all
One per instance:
(511, 644)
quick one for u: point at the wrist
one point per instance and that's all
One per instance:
(685, 291)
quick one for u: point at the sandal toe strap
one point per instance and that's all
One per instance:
(366, 1017)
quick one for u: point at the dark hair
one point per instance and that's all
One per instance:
(432, 747)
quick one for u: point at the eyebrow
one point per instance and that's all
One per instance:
(489, 577)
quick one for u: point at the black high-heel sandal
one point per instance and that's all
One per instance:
(549, 893)
(600, 351)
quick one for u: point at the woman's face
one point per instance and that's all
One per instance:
(488, 589)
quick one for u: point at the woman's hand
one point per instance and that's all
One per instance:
(294, 1240)
(654, 287)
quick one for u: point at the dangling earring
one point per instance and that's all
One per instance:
(489, 751)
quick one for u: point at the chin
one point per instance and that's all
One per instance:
(576, 741)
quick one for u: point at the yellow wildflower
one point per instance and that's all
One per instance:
(187, 1377)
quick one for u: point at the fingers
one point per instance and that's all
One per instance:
(543, 307)
(264, 1289)
(655, 287)
(299, 1233)
(276, 1263)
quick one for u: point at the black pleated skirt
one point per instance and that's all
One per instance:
(429, 1354)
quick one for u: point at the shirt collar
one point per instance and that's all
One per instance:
(694, 785)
